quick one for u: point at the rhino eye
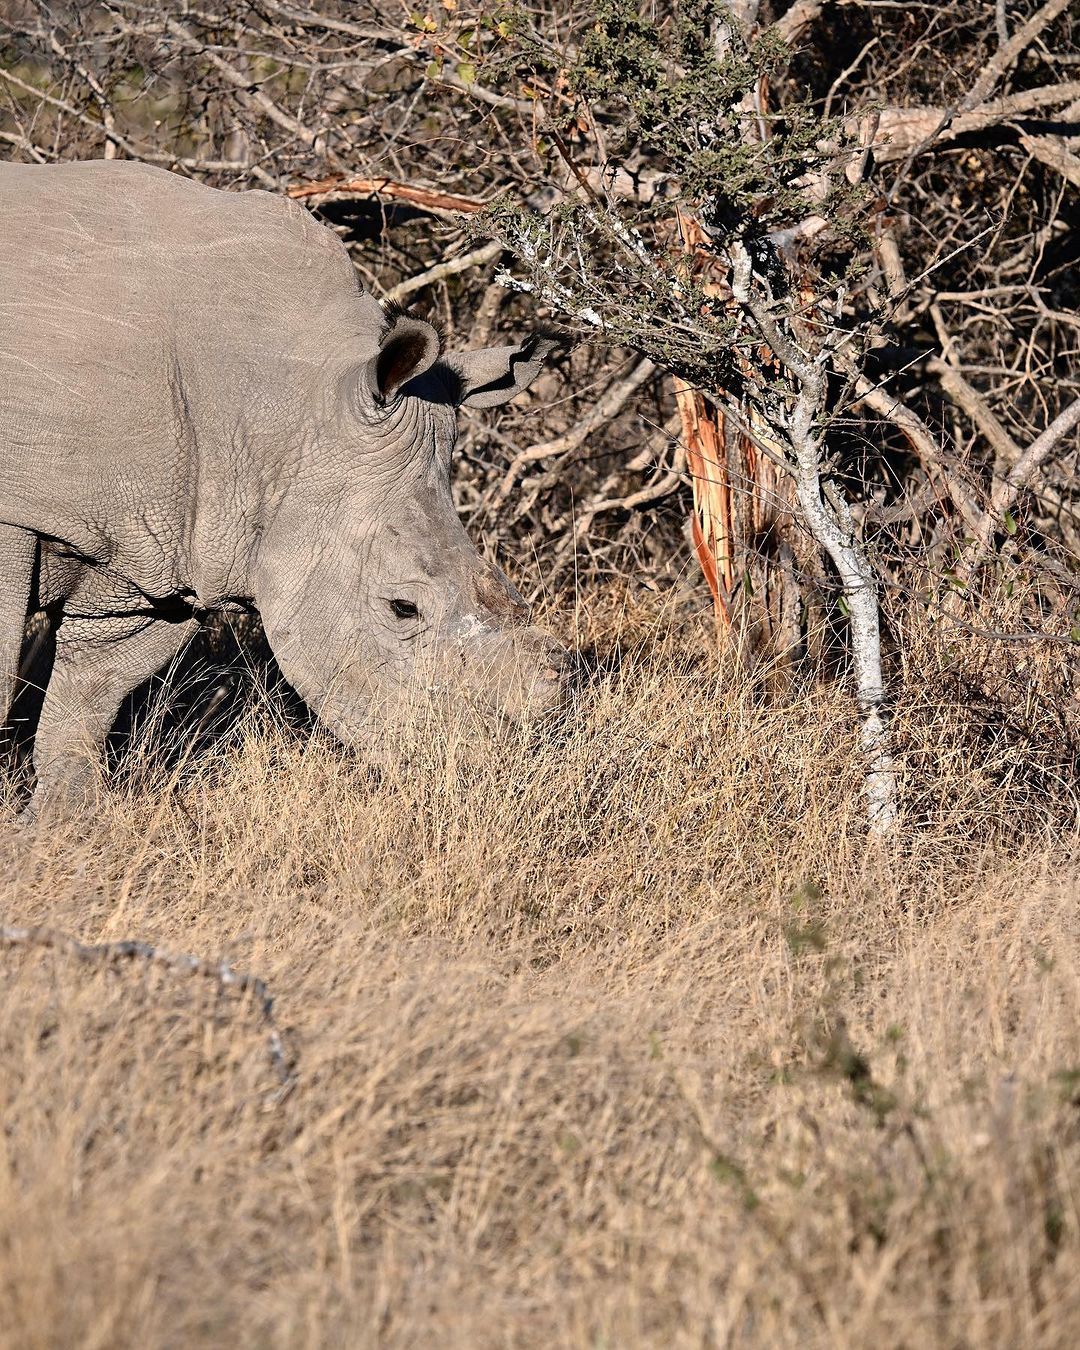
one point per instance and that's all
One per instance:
(404, 609)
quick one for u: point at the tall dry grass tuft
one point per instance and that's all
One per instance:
(616, 1038)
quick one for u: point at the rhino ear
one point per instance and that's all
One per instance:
(496, 374)
(408, 347)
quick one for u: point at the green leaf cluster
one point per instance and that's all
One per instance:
(666, 94)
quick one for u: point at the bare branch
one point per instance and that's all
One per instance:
(1033, 458)
(1055, 154)
(341, 188)
(1007, 55)
(243, 83)
(793, 23)
(977, 408)
(606, 407)
(117, 953)
(451, 268)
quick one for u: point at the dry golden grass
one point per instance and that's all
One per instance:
(619, 1041)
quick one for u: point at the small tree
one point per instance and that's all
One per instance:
(731, 274)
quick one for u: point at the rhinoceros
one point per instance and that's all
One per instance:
(201, 408)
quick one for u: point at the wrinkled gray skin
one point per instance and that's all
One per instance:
(199, 408)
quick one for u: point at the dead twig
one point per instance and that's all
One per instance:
(451, 268)
(665, 482)
(607, 407)
(117, 953)
(1010, 52)
(342, 188)
(1005, 491)
(970, 401)
(922, 440)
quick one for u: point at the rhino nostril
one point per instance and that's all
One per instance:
(559, 663)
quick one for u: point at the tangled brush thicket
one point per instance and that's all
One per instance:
(463, 148)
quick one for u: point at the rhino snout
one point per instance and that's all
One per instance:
(554, 667)
(558, 662)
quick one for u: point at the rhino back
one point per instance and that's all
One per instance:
(159, 343)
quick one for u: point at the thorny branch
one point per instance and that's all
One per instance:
(120, 953)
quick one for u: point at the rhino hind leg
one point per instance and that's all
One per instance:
(99, 661)
(18, 551)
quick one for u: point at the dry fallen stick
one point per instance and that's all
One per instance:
(114, 953)
(425, 198)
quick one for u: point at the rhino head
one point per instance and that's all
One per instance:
(372, 595)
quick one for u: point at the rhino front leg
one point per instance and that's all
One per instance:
(99, 661)
(18, 550)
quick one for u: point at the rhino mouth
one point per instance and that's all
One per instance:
(518, 704)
